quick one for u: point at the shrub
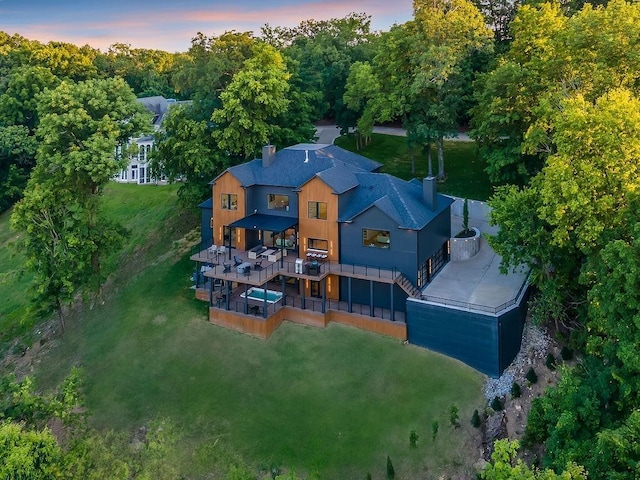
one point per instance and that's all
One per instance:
(454, 415)
(475, 419)
(531, 376)
(434, 430)
(368, 475)
(496, 404)
(516, 390)
(465, 215)
(413, 438)
(550, 362)
(566, 353)
(391, 473)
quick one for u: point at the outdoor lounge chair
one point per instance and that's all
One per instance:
(247, 271)
(227, 268)
(258, 265)
(236, 261)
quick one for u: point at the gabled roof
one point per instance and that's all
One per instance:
(400, 200)
(294, 166)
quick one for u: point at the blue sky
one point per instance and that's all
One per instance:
(170, 25)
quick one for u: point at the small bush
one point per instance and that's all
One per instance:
(434, 430)
(516, 390)
(413, 438)
(496, 404)
(566, 353)
(391, 473)
(550, 362)
(454, 415)
(531, 376)
(368, 475)
(475, 419)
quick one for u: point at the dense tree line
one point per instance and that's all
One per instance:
(551, 91)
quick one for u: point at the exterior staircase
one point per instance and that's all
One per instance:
(408, 287)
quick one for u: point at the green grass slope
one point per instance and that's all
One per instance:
(332, 401)
(466, 177)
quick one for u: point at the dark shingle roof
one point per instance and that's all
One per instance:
(400, 200)
(294, 166)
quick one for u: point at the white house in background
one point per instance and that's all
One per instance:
(138, 170)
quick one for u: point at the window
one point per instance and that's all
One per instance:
(318, 210)
(141, 155)
(277, 202)
(229, 201)
(134, 172)
(376, 238)
(318, 244)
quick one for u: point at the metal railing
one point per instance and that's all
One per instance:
(477, 306)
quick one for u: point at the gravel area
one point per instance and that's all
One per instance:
(535, 344)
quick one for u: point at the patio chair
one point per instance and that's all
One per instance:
(227, 268)
(247, 271)
(222, 250)
(258, 265)
(236, 261)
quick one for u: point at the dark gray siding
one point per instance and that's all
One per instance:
(431, 238)
(257, 200)
(206, 232)
(488, 343)
(401, 253)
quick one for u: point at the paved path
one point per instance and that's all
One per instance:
(328, 133)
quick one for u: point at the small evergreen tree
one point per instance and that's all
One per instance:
(516, 390)
(434, 430)
(465, 216)
(454, 416)
(413, 438)
(391, 473)
(531, 376)
(496, 404)
(368, 475)
(550, 362)
(566, 353)
(475, 419)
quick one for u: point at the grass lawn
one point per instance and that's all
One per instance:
(14, 286)
(141, 209)
(334, 402)
(466, 177)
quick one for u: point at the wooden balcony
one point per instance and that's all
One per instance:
(224, 269)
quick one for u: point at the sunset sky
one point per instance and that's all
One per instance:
(170, 25)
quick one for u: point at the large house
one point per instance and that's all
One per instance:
(138, 169)
(316, 234)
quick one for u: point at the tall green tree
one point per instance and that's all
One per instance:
(83, 132)
(251, 102)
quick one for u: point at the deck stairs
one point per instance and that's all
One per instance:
(408, 287)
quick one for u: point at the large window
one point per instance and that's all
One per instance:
(277, 202)
(318, 210)
(229, 201)
(318, 244)
(376, 238)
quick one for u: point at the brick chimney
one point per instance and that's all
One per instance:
(430, 192)
(268, 155)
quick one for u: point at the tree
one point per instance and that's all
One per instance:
(325, 51)
(505, 465)
(17, 157)
(28, 454)
(255, 96)
(552, 56)
(83, 131)
(185, 149)
(362, 87)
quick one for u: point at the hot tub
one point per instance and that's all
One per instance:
(258, 294)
